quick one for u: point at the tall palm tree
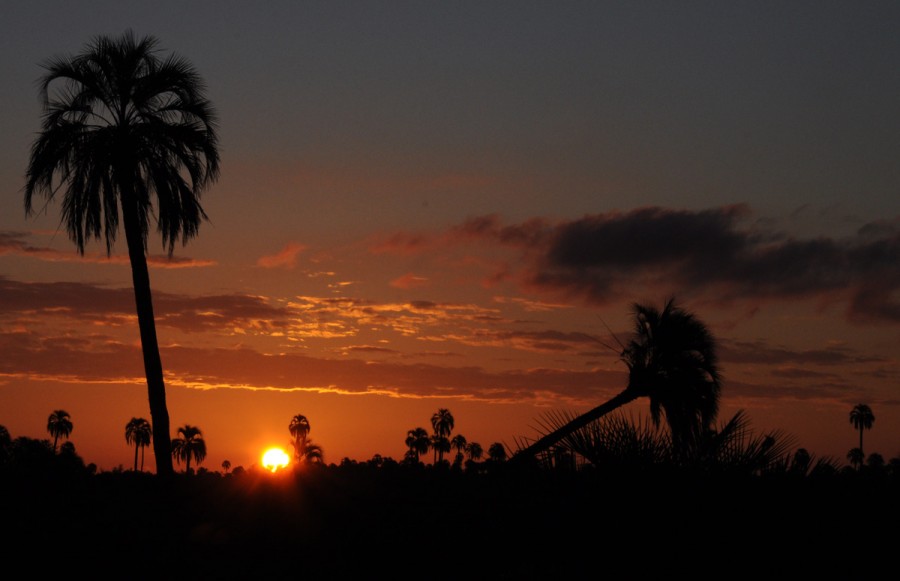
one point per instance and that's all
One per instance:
(138, 433)
(418, 442)
(442, 424)
(59, 424)
(189, 445)
(127, 135)
(299, 429)
(862, 418)
(671, 360)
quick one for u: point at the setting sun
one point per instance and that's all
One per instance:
(274, 459)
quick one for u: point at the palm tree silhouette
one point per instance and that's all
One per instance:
(138, 433)
(672, 360)
(442, 423)
(474, 451)
(862, 418)
(497, 452)
(299, 429)
(122, 128)
(856, 458)
(59, 424)
(418, 442)
(189, 445)
(226, 465)
(458, 443)
(312, 454)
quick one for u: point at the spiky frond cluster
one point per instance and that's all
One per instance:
(123, 126)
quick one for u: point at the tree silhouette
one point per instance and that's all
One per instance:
(458, 443)
(299, 429)
(672, 360)
(122, 128)
(226, 465)
(474, 451)
(59, 424)
(497, 452)
(189, 445)
(138, 433)
(856, 458)
(417, 442)
(862, 418)
(442, 424)
(312, 454)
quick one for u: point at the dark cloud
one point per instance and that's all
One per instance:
(709, 254)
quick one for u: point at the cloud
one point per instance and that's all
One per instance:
(284, 258)
(717, 255)
(14, 243)
(408, 281)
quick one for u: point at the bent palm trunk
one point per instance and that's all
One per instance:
(553, 438)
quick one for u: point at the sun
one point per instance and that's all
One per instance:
(274, 459)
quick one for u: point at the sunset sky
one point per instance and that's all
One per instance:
(430, 205)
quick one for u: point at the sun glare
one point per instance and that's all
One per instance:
(274, 459)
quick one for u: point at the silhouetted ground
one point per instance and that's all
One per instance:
(401, 523)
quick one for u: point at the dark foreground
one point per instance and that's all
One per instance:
(342, 521)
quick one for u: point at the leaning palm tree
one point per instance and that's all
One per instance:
(127, 135)
(299, 429)
(189, 445)
(138, 433)
(442, 424)
(671, 360)
(59, 424)
(862, 418)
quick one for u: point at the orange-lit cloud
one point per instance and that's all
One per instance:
(13, 243)
(284, 258)
(409, 280)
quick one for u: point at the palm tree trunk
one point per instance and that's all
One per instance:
(156, 388)
(136, 446)
(546, 442)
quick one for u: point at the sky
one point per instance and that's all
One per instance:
(429, 205)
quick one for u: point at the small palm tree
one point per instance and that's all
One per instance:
(127, 135)
(442, 423)
(138, 433)
(862, 418)
(474, 451)
(856, 458)
(312, 454)
(189, 445)
(497, 452)
(299, 429)
(59, 424)
(418, 442)
(226, 466)
(458, 443)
